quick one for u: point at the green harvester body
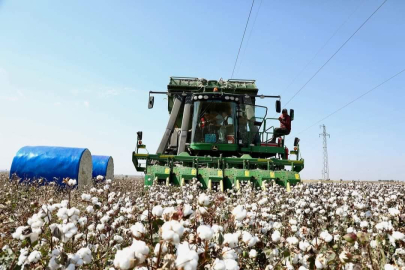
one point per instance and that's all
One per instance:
(217, 135)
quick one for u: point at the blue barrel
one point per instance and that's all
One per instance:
(53, 163)
(104, 166)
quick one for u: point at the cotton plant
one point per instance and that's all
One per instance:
(120, 224)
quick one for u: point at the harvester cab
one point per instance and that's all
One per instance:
(219, 136)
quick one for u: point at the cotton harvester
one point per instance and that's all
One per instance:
(217, 134)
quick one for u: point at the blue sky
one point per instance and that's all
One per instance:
(78, 73)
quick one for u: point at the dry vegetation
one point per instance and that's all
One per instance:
(121, 225)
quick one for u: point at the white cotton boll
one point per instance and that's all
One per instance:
(18, 234)
(141, 250)
(172, 231)
(293, 221)
(138, 230)
(263, 201)
(398, 235)
(145, 215)
(275, 237)
(94, 200)
(320, 262)
(72, 182)
(86, 197)
(187, 210)
(231, 239)
(252, 253)
(292, 240)
(205, 232)
(364, 224)
(157, 211)
(124, 259)
(373, 244)
(394, 212)
(326, 236)
(100, 227)
(239, 213)
(118, 238)
(229, 253)
(23, 256)
(187, 259)
(90, 209)
(219, 265)
(34, 257)
(204, 200)
(163, 249)
(82, 221)
(304, 245)
(216, 228)
(277, 225)
(99, 177)
(294, 228)
(202, 210)
(85, 255)
(231, 264)
(389, 267)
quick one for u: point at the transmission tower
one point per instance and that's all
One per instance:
(325, 170)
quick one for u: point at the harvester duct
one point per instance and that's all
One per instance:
(53, 164)
(104, 166)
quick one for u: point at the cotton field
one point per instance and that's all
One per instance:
(121, 225)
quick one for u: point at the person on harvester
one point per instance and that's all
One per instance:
(285, 126)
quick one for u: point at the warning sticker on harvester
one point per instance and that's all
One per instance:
(272, 175)
(297, 176)
(220, 173)
(247, 173)
(193, 172)
(167, 170)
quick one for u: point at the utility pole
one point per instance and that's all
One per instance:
(325, 170)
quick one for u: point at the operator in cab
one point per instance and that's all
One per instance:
(285, 126)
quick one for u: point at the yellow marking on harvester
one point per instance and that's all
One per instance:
(288, 187)
(141, 155)
(220, 173)
(297, 176)
(247, 173)
(193, 171)
(272, 175)
(166, 156)
(167, 170)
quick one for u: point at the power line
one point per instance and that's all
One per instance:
(323, 46)
(333, 55)
(241, 42)
(352, 101)
(250, 34)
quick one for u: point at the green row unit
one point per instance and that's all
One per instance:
(216, 172)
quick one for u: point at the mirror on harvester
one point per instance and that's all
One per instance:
(151, 102)
(292, 114)
(139, 133)
(278, 106)
(296, 141)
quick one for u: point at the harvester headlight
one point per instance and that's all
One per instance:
(232, 98)
(236, 99)
(226, 97)
(195, 97)
(200, 97)
(205, 97)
